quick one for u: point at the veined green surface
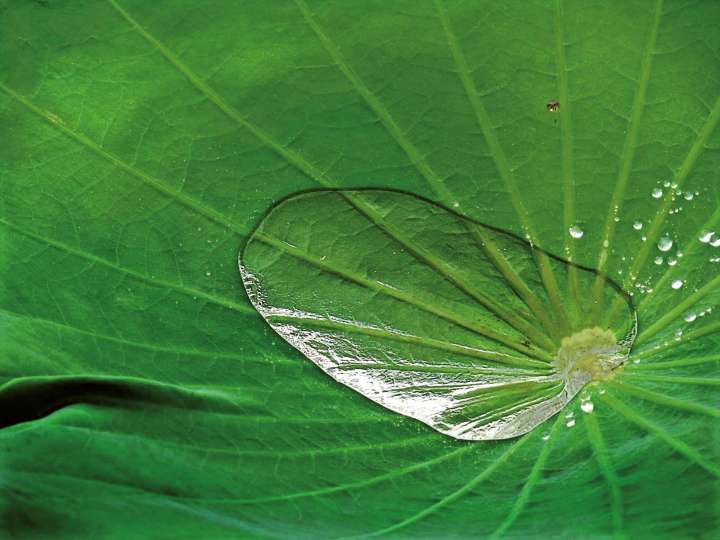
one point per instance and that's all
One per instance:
(142, 142)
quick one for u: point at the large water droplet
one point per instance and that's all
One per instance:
(395, 248)
(664, 244)
(656, 193)
(576, 232)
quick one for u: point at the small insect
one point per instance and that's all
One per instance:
(553, 106)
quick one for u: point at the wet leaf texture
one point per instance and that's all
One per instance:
(429, 313)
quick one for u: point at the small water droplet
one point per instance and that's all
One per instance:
(637, 225)
(658, 260)
(606, 244)
(656, 193)
(570, 423)
(602, 391)
(715, 242)
(666, 183)
(576, 232)
(208, 273)
(678, 334)
(672, 261)
(546, 437)
(587, 406)
(664, 244)
(690, 317)
(689, 195)
(678, 283)
(706, 236)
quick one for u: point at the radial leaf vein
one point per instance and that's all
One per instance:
(235, 452)
(533, 478)
(669, 364)
(292, 157)
(501, 161)
(395, 335)
(402, 296)
(672, 441)
(516, 282)
(350, 486)
(452, 497)
(391, 126)
(195, 293)
(628, 153)
(156, 184)
(449, 273)
(658, 222)
(665, 400)
(664, 321)
(568, 174)
(602, 455)
(64, 327)
(672, 343)
(694, 245)
(703, 381)
(376, 106)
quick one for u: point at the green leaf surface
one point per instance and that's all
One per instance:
(143, 396)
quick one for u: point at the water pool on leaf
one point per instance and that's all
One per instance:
(431, 314)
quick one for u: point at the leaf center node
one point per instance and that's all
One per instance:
(593, 352)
